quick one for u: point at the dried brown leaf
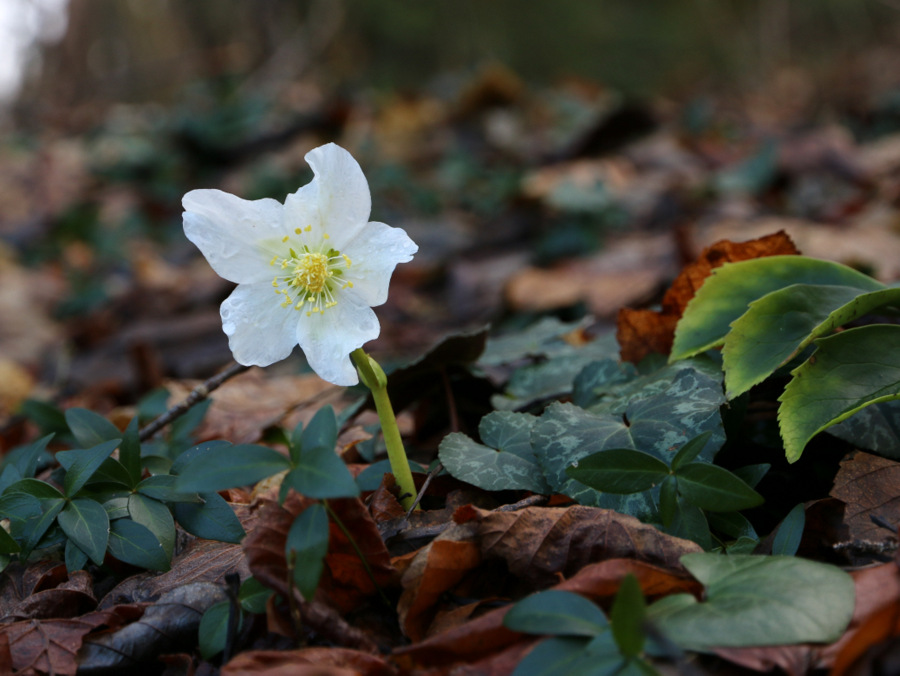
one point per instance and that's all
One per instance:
(868, 485)
(307, 662)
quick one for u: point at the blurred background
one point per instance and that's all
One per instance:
(549, 158)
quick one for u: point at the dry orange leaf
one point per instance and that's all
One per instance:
(641, 332)
(307, 662)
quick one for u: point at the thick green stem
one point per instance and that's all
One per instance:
(373, 377)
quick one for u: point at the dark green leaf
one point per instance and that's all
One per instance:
(690, 451)
(75, 557)
(156, 517)
(35, 487)
(757, 601)
(558, 613)
(182, 427)
(370, 478)
(668, 500)
(7, 544)
(164, 487)
(848, 371)
(627, 617)
(572, 656)
(20, 506)
(49, 419)
(90, 429)
(191, 454)
(36, 528)
(231, 466)
(732, 524)
(26, 458)
(254, 596)
(321, 431)
(715, 488)
(135, 544)
(86, 524)
(306, 546)
(727, 293)
(752, 474)
(130, 452)
(689, 522)
(81, 464)
(213, 519)
(321, 474)
(213, 631)
(117, 506)
(619, 470)
(790, 532)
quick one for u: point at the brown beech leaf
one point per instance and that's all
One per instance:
(308, 662)
(485, 636)
(538, 544)
(50, 646)
(641, 332)
(69, 597)
(867, 484)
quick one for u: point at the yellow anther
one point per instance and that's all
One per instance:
(325, 235)
(285, 238)
(298, 231)
(274, 258)
(275, 282)
(307, 228)
(347, 260)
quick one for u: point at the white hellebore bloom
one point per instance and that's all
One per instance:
(308, 271)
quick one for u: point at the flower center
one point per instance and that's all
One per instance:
(312, 277)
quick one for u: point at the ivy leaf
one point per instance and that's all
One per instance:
(90, 429)
(511, 466)
(558, 613)
(306, 547)
(715, 488)
(757, 601)
(86, 524)
(230, 466)
(619, 470)
(213, 519)
(848, 371)
(726, 294)
(133, 543)
(81, 464)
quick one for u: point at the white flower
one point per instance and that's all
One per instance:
(308, 271)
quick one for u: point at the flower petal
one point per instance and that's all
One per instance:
(337, 201)
(327, 339)
(374, 253)
(260, 331)
(231, 232)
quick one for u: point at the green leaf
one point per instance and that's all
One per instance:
(321, 474)
(627, 617)
(790, 532)
(619, 470)
(81, 464)
(25, 460)
(321, 431)
(848, 371)
(757, 601)
(130, 452)
(689, 523)
(35, 487)
(91, 429)
(512, 466)
(254, 596)
(49, 419)
(181, 428)
(7, 544)
(230, 466)
(191, 454)
(726, 294)
(778, 326)
(370, 478)
(156, 517)
(715, 488)
(558, 613)
(571, 656)
(133, 543)
(306, 547)
(732, 524)
(690, 451)
(752, 474)
(18, 506)
(166, 488)
(213, 630)
(75, 557)
(875, 427)
(668, 500)
(85, 523)
(213, 519)
(36, 528)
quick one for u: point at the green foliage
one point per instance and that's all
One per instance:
(790, 532)
(756, 601)
(213, 631)
(768, 311)
(305, 548)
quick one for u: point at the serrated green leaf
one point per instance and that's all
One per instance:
(757, 601)
(778, 326)
(306, 547)
(7, 544)
(790, 532)
(75, 557)
(86, 524)
(558, 613)
(511, 467)
(156, 517)
(90, 429)
(619, 470)
(627, 617)
(254, 596)
(82, 463)
(726, 294)
(231, 466)
(213, 519)
(321, 474)
(848, 371)
(714, 488)
(133, 543)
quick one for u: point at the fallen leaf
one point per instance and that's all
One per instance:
(867, 484)
(641, 332)
(307, 662)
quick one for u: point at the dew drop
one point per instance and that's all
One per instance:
(575, 464)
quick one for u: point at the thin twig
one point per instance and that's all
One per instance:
(197, 395)
(433, 473)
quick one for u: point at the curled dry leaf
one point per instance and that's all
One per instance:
(307, 662)
(641, 332)
(867, 484)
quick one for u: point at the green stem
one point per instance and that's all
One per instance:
(373, 377)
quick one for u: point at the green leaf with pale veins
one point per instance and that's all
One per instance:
(89, 428)
(512, 466)
(81, 464)
(230, 466)
(778, 326)
(726, 294)
(714, 488)
(135, 544)
(848, 371)
(85, 523)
